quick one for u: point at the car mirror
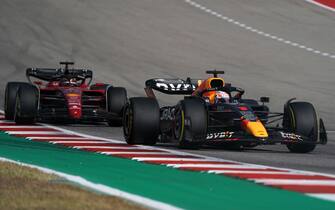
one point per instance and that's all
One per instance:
(265, 99)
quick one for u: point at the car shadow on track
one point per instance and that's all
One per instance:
(225, 148)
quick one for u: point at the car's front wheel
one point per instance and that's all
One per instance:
(190, 127)
(300, 118)
(116, 100)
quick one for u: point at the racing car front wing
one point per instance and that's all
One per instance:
(275, 137)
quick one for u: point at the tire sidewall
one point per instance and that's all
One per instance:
(192, 115)
(26, 106)
(116, 100)
(301, 119)
(10, 99)
(141, 121)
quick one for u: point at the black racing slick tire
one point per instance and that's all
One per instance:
(191, 123)
(26, 106)
(116, 100)
(141, 120)
(10, 99)
(300, 118)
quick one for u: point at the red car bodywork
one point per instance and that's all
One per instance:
(73, 95)
(66, 94)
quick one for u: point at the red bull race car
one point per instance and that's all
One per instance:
(214, 112)
(63, 95)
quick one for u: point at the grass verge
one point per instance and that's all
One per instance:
(26, 188)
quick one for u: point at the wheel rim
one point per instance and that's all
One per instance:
(127, 123)
(179, 125)
(17, 108)
(6, 99)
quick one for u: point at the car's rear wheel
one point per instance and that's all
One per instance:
(116, 100)
(26, 106)
(141, 121)
(191, 123)
(300, 118)
(10, 99)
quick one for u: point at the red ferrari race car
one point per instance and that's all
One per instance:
(63, 95)
(214, 112)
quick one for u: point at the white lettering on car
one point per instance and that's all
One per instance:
(174, 87)
(162, 85)
(291, 136)
(220, 135)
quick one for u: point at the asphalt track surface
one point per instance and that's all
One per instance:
(129, 41)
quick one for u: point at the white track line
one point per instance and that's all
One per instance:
(247, 172)
(321, 5)
(325, 196)
(135, 153)
(213, 166)
(58, 138)
(69, 132)
(105, 147)
(167, 159)
(79, 142)
(20, 126)
(257, 31)
(294, 182)
(101, 188)
(34, 132)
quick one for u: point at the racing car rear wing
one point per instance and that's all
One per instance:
(49, 74)
(171, 86)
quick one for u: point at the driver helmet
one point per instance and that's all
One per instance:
(216, 96)
(64, 82)
(73, 81)
(221, 97)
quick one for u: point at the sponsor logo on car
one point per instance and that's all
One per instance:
(168, 114)
(291, 136)
(220, 135)
(174, 87)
